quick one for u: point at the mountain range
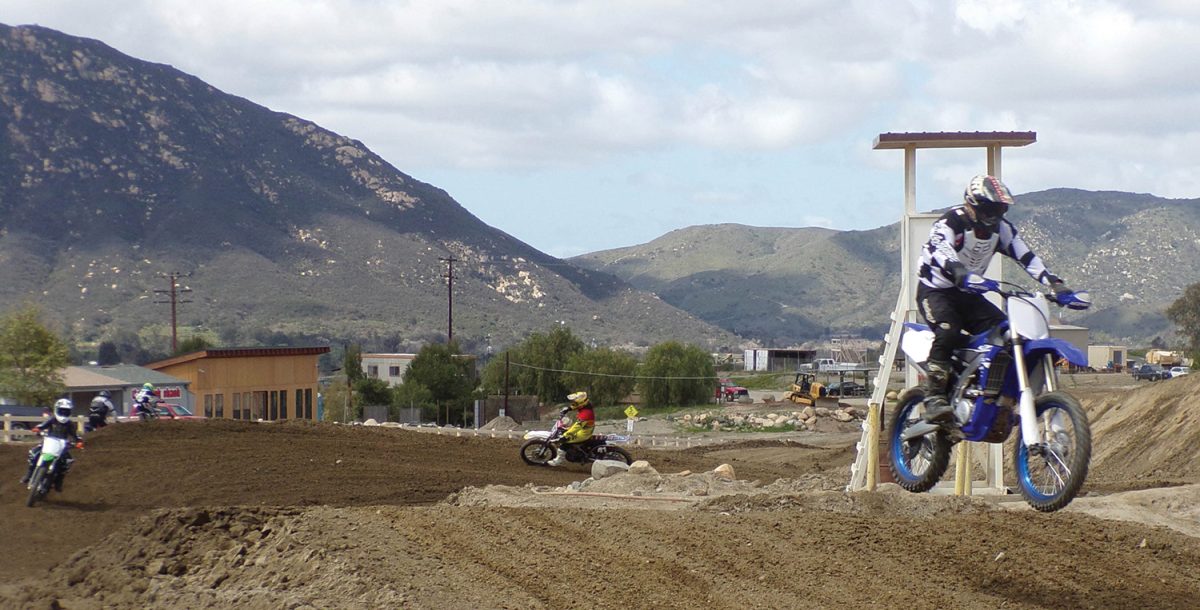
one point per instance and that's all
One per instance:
(1134, 253)
(116, 173)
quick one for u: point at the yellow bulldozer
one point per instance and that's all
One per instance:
(805, 390)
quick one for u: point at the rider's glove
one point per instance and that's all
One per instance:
(977, 284)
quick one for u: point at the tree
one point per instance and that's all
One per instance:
(545, 356)
(413, 395)
(1185, 313)
(107, 354)
(607, 375)
(372, 391)
(32, 359)
(341, 405)
(352, 362)
(677, 374)
(194, 343)
(446, 376)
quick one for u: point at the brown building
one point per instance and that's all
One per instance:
(250, 383)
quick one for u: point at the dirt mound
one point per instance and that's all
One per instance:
(1149, 434)
(502, 423)
(471, 557)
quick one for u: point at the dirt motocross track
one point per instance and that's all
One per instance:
(231, 514)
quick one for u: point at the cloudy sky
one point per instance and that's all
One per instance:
(583, 125)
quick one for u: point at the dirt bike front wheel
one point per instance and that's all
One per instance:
(538, 452)
(36, 482)
(1050, 477)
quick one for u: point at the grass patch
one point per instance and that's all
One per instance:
(763, 381)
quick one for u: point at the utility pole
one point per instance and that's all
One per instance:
(450, 260)
(173, 297)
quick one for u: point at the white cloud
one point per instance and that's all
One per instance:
(527, 85)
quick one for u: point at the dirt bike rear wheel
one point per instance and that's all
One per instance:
(35, 485)
(538, 452)
(615, 454)
(917, 464)
(1050, 480)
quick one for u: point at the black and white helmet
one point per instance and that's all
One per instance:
(988, 199)
(62, 410)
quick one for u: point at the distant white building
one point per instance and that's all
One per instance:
(388, 367)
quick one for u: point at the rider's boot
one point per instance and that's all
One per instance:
(937, 407)
(559, 457)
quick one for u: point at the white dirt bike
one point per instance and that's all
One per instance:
(542, 446)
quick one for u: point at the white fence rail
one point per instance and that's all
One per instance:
(14, 427)
(635, 440)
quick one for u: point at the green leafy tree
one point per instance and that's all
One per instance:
(372, 391)
(447, 376)
(413, 395)
(341, 404)
(1185, 313)
(677, 374)
(32, 359)
(194, 343)
(352, 362)
(546, 355)
(107, 354)
(606, 374)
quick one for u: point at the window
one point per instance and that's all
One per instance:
(299, 403)
(219, 405)
(283, 404)
(237, 405)
(208, 402)
(393, 371)
(274, 413)
(308, 414)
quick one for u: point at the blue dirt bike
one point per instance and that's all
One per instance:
(1012, 366)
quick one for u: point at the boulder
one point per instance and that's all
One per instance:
(724, 472)
(641, 467)
(607, 468)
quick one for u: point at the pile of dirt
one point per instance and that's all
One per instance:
(729, 556)
(502, 423)
(1146, 436)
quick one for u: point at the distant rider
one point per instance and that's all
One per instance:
(580, 431)
(59, 425)
(950, 294)
(99, 410)
(146, 401)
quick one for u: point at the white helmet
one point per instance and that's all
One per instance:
(62, 410)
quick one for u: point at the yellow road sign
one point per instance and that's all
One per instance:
(631, 412)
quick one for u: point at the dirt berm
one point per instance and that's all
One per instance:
(242, 515)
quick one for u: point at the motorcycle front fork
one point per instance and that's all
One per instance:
(1030, 431)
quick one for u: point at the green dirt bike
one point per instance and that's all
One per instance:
(50, 469)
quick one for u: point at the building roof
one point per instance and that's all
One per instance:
(389, 356)
(239, 352)
(953, 139)
(116, 375)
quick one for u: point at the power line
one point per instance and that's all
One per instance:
(540, 368)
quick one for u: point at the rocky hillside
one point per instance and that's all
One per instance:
(1135, 253)
(115, 171)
